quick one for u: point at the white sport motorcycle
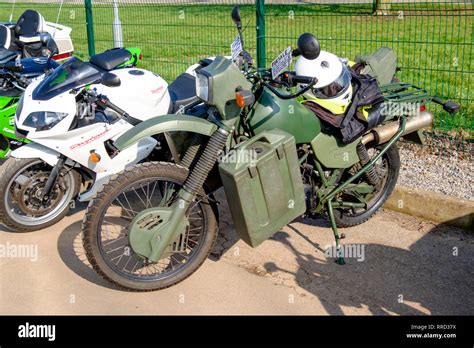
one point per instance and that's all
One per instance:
(72, 123)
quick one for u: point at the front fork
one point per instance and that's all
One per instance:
(153, 230)
(52, 179)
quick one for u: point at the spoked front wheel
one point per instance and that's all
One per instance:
(109, 216)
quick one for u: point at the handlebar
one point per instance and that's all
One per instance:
(104, 102)
(294, 79)
(290, 96)
(290, 79)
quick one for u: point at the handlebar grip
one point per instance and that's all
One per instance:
(116, 109)
(122, 113)
(303, 79)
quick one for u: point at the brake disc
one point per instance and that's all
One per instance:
(29, 195)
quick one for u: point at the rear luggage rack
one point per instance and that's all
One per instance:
(404, 93)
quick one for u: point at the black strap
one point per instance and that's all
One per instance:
(355, 101)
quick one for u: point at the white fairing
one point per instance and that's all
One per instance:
(78, 143)
(142, 93)
(61, 35)
(326, 68)
(62, 103)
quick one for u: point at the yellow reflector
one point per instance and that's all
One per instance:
(94, 157)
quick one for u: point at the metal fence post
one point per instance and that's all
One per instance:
(90, 28)
(260, 4)
(117, 27)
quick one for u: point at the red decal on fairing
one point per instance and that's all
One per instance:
(91, 139)
(158, 90)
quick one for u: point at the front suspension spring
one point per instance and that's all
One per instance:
(196, 146)
(206, 161)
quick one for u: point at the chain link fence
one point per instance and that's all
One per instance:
(433, 39)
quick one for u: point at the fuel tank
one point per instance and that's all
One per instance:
(290, 116)
(142, 93)
(31, 67)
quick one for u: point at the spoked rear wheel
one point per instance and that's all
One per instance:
(387, 168)
(109, 215)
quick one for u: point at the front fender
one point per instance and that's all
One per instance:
(35, 150)
(163, 124)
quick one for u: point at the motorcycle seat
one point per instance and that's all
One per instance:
(7, 55)
(182, 91)
(28, 27)
(111, 59)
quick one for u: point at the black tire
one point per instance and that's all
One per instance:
(97, 210)
(12, 168)
(344, 218)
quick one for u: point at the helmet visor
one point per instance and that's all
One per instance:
(335, 88)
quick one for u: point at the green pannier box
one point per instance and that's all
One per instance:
(263, 185)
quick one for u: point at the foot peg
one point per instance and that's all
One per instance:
(448, 106)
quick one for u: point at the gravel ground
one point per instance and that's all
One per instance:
(448, 173)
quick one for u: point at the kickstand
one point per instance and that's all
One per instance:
(340, 257)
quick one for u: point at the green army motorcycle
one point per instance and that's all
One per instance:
(154, 224)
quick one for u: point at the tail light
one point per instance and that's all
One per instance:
(423, 108)
(63, 56)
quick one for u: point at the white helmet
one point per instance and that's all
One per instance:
(333, 90)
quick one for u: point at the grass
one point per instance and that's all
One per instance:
(433, 41)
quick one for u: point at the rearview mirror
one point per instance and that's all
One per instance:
(309, 46)
(236, 16)
(49, 44)
(44, 38)
(110, 80)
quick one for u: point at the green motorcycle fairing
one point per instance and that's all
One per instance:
(135, 59)
(271, 112)
(164, 124)
(8, 105)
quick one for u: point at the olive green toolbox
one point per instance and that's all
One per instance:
(263, 185)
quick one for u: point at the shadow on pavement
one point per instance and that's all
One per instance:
(72, 253)
(434, 276)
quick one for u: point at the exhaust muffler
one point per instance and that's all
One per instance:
(384, 133)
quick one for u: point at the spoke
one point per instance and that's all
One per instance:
(126, 264)
(133, 212)
(153, 191)
(110, 223)
(110, 251)
(114, 240)
(136, 193)
(190, 240)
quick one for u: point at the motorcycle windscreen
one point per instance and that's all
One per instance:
(72, 74)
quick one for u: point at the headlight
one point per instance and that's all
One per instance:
(44, 120)
(202, 87)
